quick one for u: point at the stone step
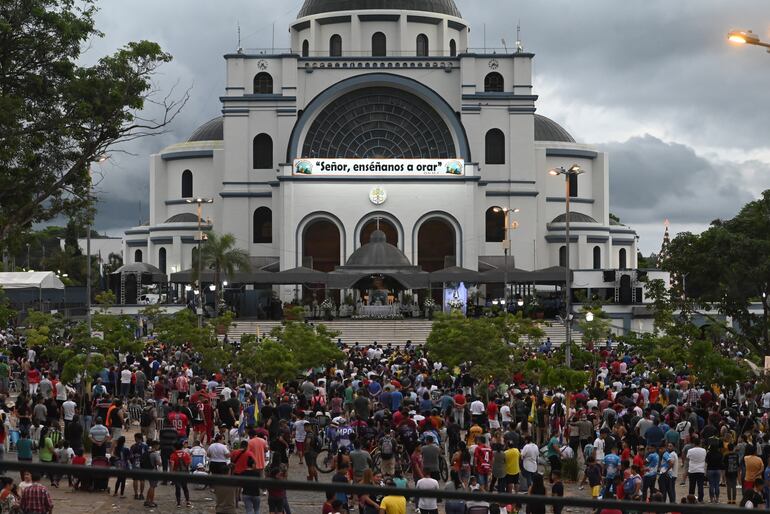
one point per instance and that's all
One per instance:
(396, 332)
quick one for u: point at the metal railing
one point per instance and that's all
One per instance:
(368, 53)
(289, 485)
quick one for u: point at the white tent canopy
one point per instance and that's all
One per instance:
(30, 279)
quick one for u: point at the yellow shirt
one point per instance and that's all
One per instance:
(393, 505)
(473, 433)
(512, 458)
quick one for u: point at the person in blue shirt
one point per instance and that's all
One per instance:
(650, 476)
(611, 467)
(396, 399)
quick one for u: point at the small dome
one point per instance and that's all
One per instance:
(378, 253)
(574, 217)
(548, 130)
(323, 6)
(212, 130)
(185, 217)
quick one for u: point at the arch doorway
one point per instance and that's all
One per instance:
(321, 245)
(391, 232)
(436, 245)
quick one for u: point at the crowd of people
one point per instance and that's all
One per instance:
(390, 416)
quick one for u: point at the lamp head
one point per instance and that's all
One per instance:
(575, 169)
(497, 209)
(103, 157)
(196, 292)
(742, 37)
(555, 172)
(520, 302)
(589, 316)
(212, 287)
(516, 210)
(188, 287)
(224, 283)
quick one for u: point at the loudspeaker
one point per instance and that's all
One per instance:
(609, 276)
(625, 290)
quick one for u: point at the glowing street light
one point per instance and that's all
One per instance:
(746, 37)
(589, 316)
(568, 173)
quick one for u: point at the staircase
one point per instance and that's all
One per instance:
(366, 332)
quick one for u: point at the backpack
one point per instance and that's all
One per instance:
(629, 487)
(386, 447)
(146, 418)
(145, 462)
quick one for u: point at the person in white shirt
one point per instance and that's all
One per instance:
(427, 505)
(599, 445)
(125, 382)
(477, 411)
(766, 401)
(505, 415)
(68, 411)
(529, 454)
(696, 467)
(218, 455)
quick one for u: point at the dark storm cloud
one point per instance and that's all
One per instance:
(607, 70)
(654, 179)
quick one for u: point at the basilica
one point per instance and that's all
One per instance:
(380, 119)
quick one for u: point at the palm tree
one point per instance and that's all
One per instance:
(219, 254)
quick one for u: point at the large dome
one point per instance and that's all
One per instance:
(548, 130)
(323, 6)
(378, 253)
(212, 130)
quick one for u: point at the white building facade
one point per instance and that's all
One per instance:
(397, 90)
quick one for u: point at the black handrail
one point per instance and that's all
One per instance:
(293, 485)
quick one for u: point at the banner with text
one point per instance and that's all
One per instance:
(379, 167)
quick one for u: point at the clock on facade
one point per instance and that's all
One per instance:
(378, 195)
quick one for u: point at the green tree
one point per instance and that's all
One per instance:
(726, 268)
(267, 360)
(219, 254)
(476, 342)
(7, 313)
(311, 346)
(58, 115)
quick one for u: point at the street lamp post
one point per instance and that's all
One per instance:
(199, 291)
(98, 160)
(746, 37)
(572, 171)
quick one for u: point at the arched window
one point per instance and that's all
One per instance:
(597, 257)
(495, 147)
(138, 256)
(263, 152)
(495, 223)
(562, 256)
(305, 48)
(494, 83)
(162, 260)
(263, 225)
(379, 45)
(622, 264)
(187, 184)
(335, 46)
(263, 84)
(422, 46)
(452, 48)
(573, 185)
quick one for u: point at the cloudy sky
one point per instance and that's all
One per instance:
(684, 115)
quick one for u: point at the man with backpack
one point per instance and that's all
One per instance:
(138, 450)
(180, 463)
(150, 461)
(388, 454)
(147, 420)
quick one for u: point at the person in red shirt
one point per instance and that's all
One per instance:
(180, 462)
(203, 425)
(179, 421)
(492, 421)
(239, 459)
(33, 379)
(459, 408)
(483, 459)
